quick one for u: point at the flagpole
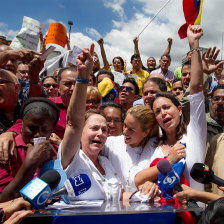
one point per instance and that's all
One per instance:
(222, 46)
(154, 17)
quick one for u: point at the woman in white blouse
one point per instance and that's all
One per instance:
(92, 131)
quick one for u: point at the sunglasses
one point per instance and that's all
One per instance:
(23, 71)
(48, 85)
(127, 88)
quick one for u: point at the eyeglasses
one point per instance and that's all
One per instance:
(216, 99)
(3, 81)
(127, 88)
(48, 85)
(115, 121)
(23, 71)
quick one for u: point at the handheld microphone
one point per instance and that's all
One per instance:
(171, 179)
(39, 190)
(204, 175)
(74, 186)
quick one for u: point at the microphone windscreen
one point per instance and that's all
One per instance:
(201, 173)
(52, 178)
(164, 166)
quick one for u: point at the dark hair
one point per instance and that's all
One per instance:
(214, 213)
(166, 55)
(104, 71)
(115, 105)
(182, 126)
(46, 77)
(135, 56)
(133, 82)
(40, 105)
(121, 60)
(161, 83)
(62, 70)
(186, 63)
(220, 86)
(177, 80)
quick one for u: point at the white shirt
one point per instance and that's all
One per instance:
(123, 158)
(103, 187)
(195, 140)
(168, 76)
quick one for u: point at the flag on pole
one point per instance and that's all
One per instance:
(192, 13)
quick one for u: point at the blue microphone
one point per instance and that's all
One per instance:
(39, 190)
(74, 186)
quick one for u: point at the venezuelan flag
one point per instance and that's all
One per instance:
(192, 13)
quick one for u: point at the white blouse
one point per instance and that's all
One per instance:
(103, 187)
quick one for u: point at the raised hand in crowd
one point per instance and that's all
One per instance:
(208, 60)
(168, 49)
(106, 64)
(42, 43)
(24, 55)
(136, 49)
(7, 146)
(68, 44)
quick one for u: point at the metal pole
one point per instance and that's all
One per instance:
(154, 16)
(222, 46)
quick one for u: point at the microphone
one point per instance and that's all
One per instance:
(171, 179)
(74, 186)
(39, 190)
(204, 175)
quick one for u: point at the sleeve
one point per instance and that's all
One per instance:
(17, 127)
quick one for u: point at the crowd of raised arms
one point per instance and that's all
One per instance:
(113, 124)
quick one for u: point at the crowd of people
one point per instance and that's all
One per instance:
(110, 123)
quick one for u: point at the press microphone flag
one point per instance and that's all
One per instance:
(74, 186)
(39, 190)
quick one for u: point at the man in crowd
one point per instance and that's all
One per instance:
(22, 71)
(137, 70)
(9, 91)
(165, 62)
(115, 115)
(128, 93)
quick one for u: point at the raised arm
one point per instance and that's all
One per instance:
(76, 109)
(135, 41)
(106, 64)
(168, 49)
(194, 33)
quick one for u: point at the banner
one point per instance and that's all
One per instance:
(56, 35)
(192, 13)
(28, 36)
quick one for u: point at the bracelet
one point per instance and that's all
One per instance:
(193, 50)
(82, 81)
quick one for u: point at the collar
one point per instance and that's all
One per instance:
(133, 71)
(57, 100)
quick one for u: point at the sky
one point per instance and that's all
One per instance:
(118, 22)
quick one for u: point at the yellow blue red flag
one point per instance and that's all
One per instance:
(192, 13)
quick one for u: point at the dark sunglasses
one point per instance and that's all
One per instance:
(48, 85)
(23, 71)
(127, 88)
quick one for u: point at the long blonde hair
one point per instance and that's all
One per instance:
(147, 121)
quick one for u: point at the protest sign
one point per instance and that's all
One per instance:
(28, 36)
(56, 35)
(73, 54)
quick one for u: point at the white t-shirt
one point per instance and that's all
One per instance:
(195, 140)
(103, 187)
(123, 158)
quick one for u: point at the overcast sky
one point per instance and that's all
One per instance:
(118, 22)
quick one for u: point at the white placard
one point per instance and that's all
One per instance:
(73, 54)
(28, 36)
